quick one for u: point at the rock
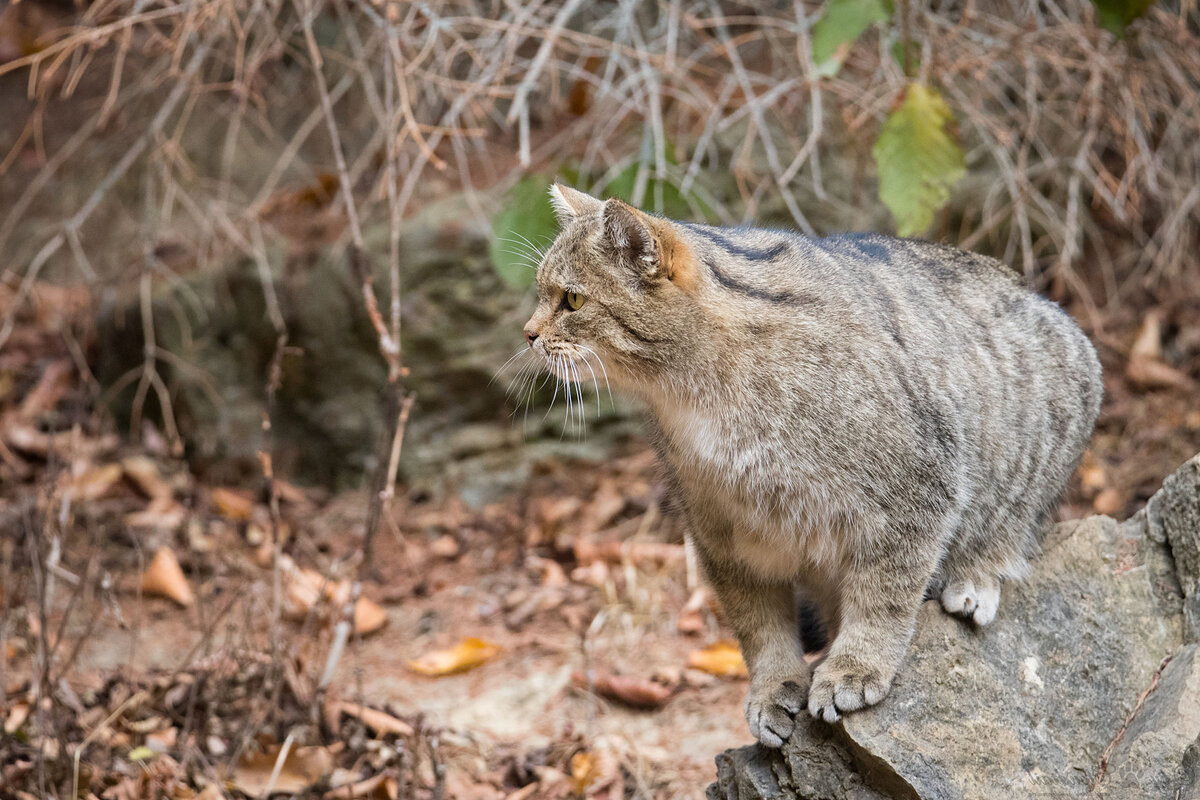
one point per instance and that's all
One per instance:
(1089, 661)
(1173, 517)
(459, 325)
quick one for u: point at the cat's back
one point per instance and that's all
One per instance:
(910, 295)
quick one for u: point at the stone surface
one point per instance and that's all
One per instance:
(1173, 516)
(1030, 705)
(460, 324)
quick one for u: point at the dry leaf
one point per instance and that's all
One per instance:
(444, 547)
(383, 786)
(607, 503)
(1146, 367)
(1092, 477)
(50, 388)
(1148, 343)
(233, 504)
(368, 616)
(16, 718)
(596, 574)
(691, 616)
(723, 659)
(466, 655)
(96, 482)
(302, 767)
(630, 691)
(381, 722)
(657, 553)
(143, 473)
(1108, 502)
(583, 771)
(165, 577)
(211, 792)
(162, 513)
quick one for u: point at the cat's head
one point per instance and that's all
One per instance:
(616, 287)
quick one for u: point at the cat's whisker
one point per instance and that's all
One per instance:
(521, 380)
(527, 260)
(520, 350)
(579, 395)
(604, 370)
(536, 249)
(595, 383)
(557, 383)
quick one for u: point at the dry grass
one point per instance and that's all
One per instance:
(191, 116)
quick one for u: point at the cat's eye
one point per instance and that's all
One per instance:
(574, 301)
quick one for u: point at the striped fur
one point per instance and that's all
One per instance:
(866, 418)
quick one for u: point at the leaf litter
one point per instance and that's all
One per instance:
(559, 625)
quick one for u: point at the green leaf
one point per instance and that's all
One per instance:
(1115, 15)
(918, 162)
(525, 223)
(842, 22)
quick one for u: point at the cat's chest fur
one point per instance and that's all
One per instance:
(776, 504)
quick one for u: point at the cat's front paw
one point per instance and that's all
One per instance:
(846, 683)
(772, 705)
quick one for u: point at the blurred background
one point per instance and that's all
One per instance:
(265, 263)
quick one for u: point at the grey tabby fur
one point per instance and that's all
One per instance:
(863, 418)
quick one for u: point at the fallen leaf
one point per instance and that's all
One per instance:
(444, 547)
(634, 692)
(605, 505)
(1148, 342)
(583, 771)
(659, 554)
(165, 577)
(162, 513)
(1146, 367)
(383, 786)
(1108, 502)
(50, 388)
(723, 659)
(96, 482)
(302, 767)
(368, 616)
(466, 655)
(594, 574)
(1092, 477)
(143, 473)
(691, 616)
(16, 718)
(233, 504)
(381, 722)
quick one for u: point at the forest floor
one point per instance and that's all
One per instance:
(155, 642)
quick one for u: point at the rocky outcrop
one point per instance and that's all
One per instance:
(460, 324)
(1086, 685)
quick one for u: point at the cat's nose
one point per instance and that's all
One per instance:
(530, 335)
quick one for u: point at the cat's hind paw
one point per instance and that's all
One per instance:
(975, 600)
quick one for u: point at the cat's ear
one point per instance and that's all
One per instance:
(569, 204)
(652, 245)
(629, 232)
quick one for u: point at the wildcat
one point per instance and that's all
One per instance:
(864, 418)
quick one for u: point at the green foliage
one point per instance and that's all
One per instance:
(842, 22)
(662, 196)
(1115, 15)
(526, 221)
(918, 161)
